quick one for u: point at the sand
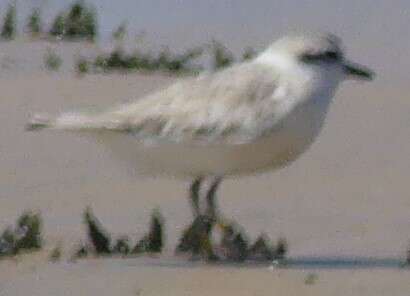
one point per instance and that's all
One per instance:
(346, 198)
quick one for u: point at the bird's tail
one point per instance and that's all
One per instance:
(39, 122)
(65, 121)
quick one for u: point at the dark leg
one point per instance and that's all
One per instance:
(196, 239)
(211, 210)
(194, 196)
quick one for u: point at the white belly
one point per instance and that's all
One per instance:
(279, 148)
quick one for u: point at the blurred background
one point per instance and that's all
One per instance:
(374, 30)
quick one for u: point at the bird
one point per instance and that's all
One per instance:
(251, 117)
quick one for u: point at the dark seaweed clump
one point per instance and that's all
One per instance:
(78, 22)
(100, 242)
(119, 60)
(26, 235)
(197, 239)
(8, 30)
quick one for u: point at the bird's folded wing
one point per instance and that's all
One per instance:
(227, 106)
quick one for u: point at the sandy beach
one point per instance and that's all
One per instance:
(345, 201)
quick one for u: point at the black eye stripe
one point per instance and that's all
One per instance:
(329, 56)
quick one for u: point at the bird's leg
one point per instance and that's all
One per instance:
(210, 217)
(194, 196)
(211, 210)
(197, 237)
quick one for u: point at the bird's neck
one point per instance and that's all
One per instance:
(290, 72)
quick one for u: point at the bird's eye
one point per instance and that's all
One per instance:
(331, 55)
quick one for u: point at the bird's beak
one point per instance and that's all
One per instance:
(356, 71)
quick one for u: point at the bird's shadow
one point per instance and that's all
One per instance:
(345, 263)
(295, 263)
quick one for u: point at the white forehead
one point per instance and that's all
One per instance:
(313, 43)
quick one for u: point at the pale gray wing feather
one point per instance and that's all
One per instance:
(232, 105)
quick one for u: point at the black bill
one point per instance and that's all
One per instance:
(356, 71)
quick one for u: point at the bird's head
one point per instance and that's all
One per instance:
(318, 53)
